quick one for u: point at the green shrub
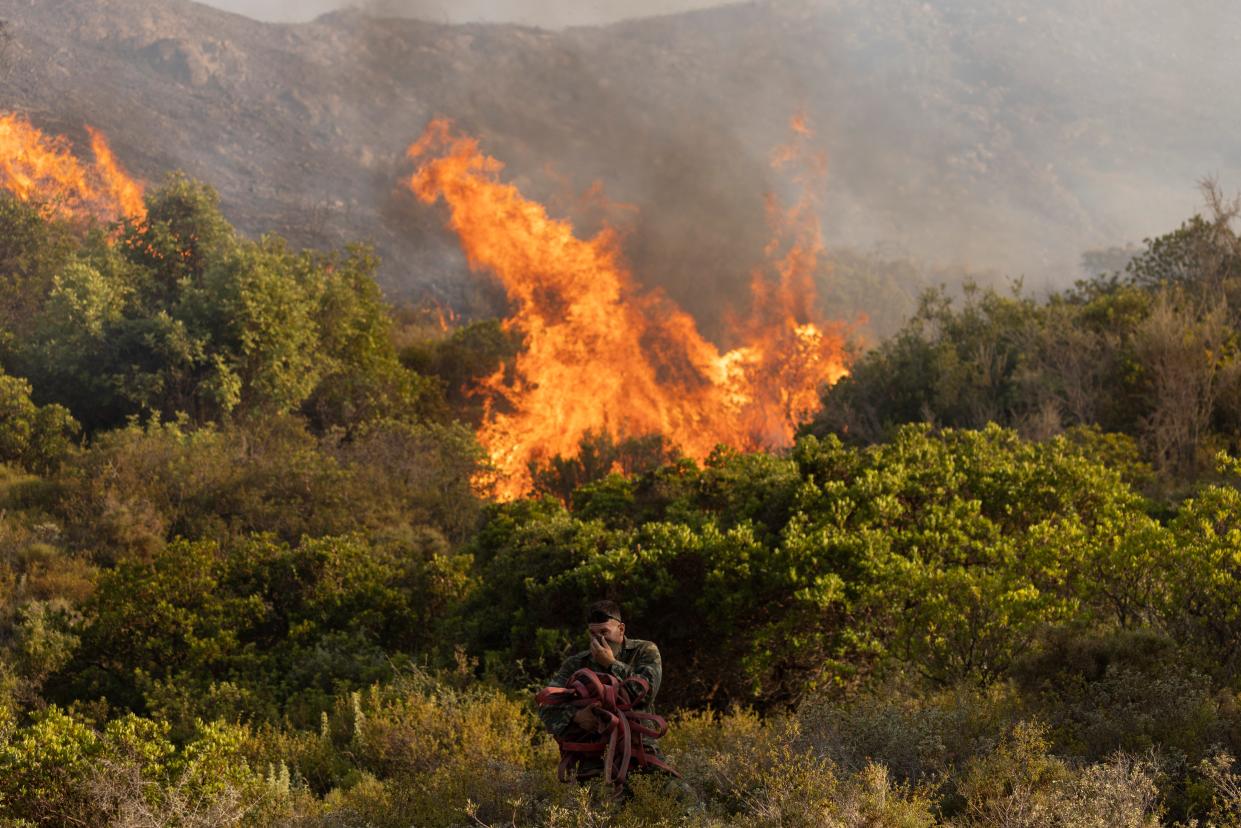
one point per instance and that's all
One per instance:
(257, 628)
(37, 438)
(950, 553)
(60, 771)
(1022, 784)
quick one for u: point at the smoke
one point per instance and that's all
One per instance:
(1006, 136)
(1007, 153)
(551, 14)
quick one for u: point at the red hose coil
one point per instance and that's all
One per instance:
(611, 700)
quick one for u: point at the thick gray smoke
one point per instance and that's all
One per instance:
(545, 13)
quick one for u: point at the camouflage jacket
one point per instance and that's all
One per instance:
(636, 658)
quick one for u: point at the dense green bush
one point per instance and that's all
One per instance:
(37, 438)
(185, 316)
(140, 486)
(33, 249)
(1151, 353)
(258, 628)
(949, 553)
(59, 770)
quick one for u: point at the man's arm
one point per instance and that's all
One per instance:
(557, 717)
(646, 664)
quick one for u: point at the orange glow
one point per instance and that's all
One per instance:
(118, 187)
(445, 317)
(799, 125)
(602, 355)
(36, 166)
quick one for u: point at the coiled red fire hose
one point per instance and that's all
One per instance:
(612, 700)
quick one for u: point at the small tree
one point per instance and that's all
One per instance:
(35, 437)
(1185, 357)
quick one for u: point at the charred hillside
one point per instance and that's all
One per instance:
(966, 132)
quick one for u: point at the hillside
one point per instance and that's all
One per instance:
(1008, 137)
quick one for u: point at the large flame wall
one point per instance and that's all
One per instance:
(36, 166)
(601, 355)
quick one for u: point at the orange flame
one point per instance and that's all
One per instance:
(446, 317)
(118, 187)
(35, 166)
(601, 355)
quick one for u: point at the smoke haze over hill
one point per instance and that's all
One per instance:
(1006, 136)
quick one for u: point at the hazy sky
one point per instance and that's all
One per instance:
(547, 13)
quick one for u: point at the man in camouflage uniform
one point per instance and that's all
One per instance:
(611, 652)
